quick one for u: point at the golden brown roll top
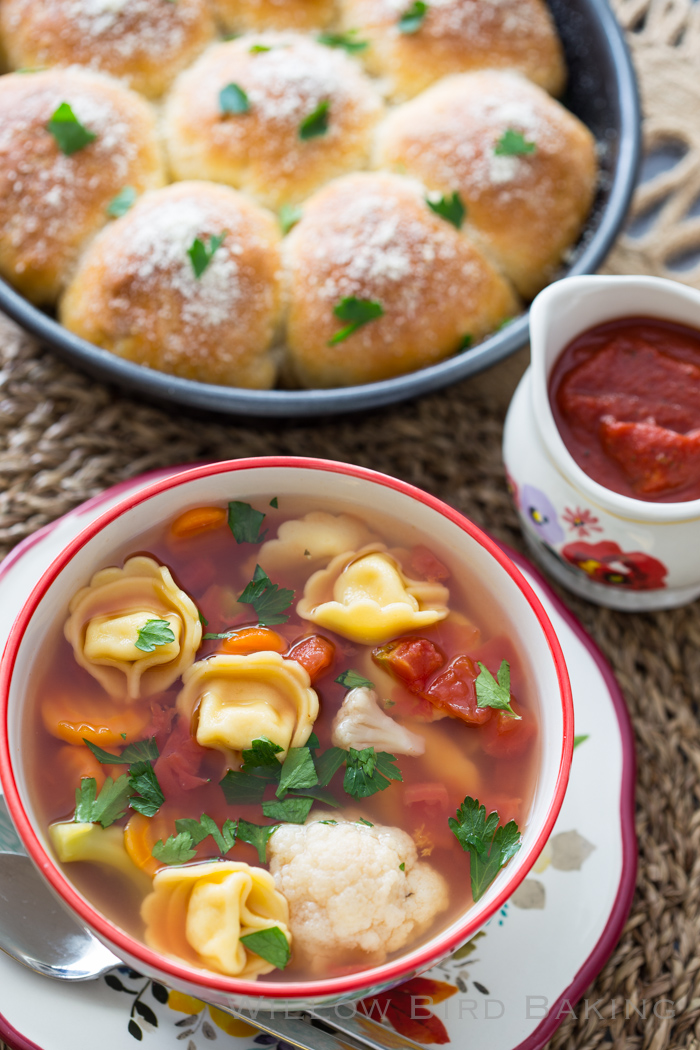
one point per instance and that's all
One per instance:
(414, 45)
(187, 282)
(146, 42)
(381, 285)
(524, 167)
(274, 114)
(239, 16)
(58, 176)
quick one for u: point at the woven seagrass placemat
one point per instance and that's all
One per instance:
(63, 438)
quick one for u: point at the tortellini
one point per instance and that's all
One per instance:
(365, 596)
(239, 699)
(312, 541)
(105, 620)
(199, 913)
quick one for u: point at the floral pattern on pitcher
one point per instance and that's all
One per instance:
(583, 522)
(606, 562)
(541, 514)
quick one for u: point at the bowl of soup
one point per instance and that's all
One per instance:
(298, 729)
(602, 440)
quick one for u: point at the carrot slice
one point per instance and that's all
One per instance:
(140, 836)
(315, 653)
(198, 520)
(99, 720)
(76, 763)
(254, 640)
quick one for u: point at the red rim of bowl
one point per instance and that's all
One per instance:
(363, 980)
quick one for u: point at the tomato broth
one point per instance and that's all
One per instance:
(492, 757)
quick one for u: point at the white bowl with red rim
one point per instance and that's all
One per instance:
(613, 549)
(249, 480)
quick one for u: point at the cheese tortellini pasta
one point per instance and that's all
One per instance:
(107, 616)
(365, 596)
(199, 913)
(312, 541)
(239, 699)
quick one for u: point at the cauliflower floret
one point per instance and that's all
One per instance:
(353, 889)
(361, 723)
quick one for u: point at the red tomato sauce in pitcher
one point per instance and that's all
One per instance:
(626, 400)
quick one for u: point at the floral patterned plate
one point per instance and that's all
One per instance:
(510, 987)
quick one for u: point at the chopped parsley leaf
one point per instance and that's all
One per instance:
(465, 342)
(202, 619)
(245, 523)
(121, 204)
(268, 599)
(451, 209)
(259, 49)
(298, 771)
(233, 99)
(319, 793)
(578, 740)
(147, 797)
(177, 849)
(242, 789)
(200, 829)
(348, 41)
(328, 764)
(140, 751)
(260, 759)
(354, 680)
(316, 123)
(412, 19)
(201, 256)
(357, 312)
(289, 215)
(367, 823)
(490, 845)
(152, 634)
(70, 135)
(274, 502)
(492, 693)
(513, 144)
(104, 808)
(369, 771)
(270, 944)
(290, 810)
(256, 836)
(402, 866)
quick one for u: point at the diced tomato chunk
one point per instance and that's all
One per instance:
(506, 736)
(424, 564)
(432, 794)
(179, 761)
(316, 654)
(454, 691)
(411, 660)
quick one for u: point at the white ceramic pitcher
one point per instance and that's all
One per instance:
(612, 549)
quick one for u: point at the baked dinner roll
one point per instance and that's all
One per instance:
(381, 285)
(147, 42)
(276, 114)
(187, 282)
(59, 176)
(238, 16)
(414, 46)
(524, 167)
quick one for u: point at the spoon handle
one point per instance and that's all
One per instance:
(300, 1033)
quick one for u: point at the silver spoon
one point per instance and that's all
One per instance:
(39, 932)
